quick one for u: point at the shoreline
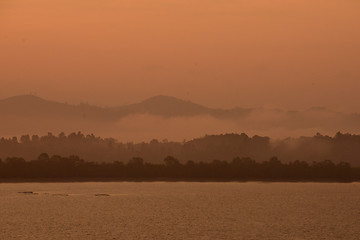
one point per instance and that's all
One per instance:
(172, 180)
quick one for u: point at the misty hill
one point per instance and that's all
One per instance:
(32, 114)
(164, 106)
(30, 106)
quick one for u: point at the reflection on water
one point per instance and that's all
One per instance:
(180, 211)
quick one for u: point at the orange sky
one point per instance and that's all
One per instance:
(221, 53)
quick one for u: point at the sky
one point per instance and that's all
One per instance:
(290, 54)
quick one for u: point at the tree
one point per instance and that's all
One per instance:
(136, 161)
(25, 139)
(43, 157)
(171, 161)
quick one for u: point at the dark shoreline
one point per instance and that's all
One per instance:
(74, 169)
(189, 180)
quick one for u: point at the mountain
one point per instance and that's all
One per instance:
(28, 113)
(164, 106)
(30, 106)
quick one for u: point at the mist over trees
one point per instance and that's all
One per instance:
(165, 117)
(224, 147)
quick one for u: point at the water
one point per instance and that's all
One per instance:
(180, 210)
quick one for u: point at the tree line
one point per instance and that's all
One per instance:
(341, 147)
(171, 169)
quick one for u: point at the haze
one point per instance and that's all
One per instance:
(249, 53)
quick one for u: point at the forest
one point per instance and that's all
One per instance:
(225, 147)
(73, 168)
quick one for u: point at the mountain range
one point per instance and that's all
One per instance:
(29, 113)
(164, 106)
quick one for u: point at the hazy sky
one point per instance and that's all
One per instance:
(222, 53)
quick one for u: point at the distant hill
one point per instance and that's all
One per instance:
(28, 113)
(30, 106)
(164, 106)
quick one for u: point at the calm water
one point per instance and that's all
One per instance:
(180, 211)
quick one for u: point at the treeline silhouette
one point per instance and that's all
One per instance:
(340, 148)
(239, 169)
